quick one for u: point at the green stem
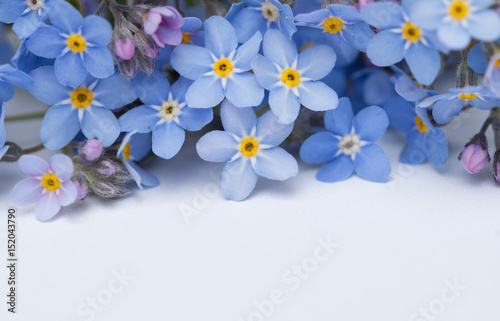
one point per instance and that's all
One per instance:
(25, 117)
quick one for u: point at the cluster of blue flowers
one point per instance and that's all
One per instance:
(332, 76)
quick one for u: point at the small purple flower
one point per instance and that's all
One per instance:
(49, 186)
(92, 149)
(474, 158)
(163, 25)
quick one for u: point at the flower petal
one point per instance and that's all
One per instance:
(238, 179)
(276, 163)
(247, 52)
(382, 15)
(62, 166)
(191, 61)
(444, 110)
(142, 118)
(485, 25)
(96, 30)
(193, 119)
(284, 104)
(238, 121)
(371, 123)
(46, 42)
(99, 62)
(217, 146)
(26, 192)
(68, 193)
(59, 126)
(66, 18)
(279, 49)
(372, 164)
(424, 63)
(453, 36)
(265, 71)
(319, 148)
(339, 120)
(317, 96)
(46, 87)
(70, 70)
(206, 92)
(338, 169)
(220, 37)
(243, 90)
(270, 131)
(115, 91)
(102, 124)
(316, 62)
(47, 206)
(385, 49)
(168, 139)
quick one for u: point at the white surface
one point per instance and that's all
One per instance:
(398, 244)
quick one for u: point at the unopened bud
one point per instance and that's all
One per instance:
(124, 49)
(92, 149)
(475, 154)
(106, 168)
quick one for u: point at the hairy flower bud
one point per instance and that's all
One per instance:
(106, 168)
(81, 189)
(124, 49)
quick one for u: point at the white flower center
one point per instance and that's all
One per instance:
(350, 144)
(170, 110)
(270, 12)
(35, 5)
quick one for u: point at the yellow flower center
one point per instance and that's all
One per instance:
(249, 146)
(497, 62)
(76, 43)
(421, 126)
(81, 97)
(465, 96)
(186, 38)
(223, 67)
(333, 24)
(126, 151)
(51, 182)
(290, 77)
(411, 32)
(459, 9)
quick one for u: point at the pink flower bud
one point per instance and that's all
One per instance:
(92, 149)
(124, 49)
(106, 168)
(496, 172)
(474, 158)
(163, 24)
(81, 189)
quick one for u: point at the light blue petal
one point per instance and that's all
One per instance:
(3, 134)
(18, 78)
(339, 120)
(453, 36)
(317, 96)
(47, 206)
(345, 53)
(348, 13)
(10, 9)
(59, 126)
(206, 92)
(338, 169)
(66, 18)
(444, 110)
(372, 164)
(316, 62)
(270, 131)
(424, 63)
(485, 25)
(371, 123)
(407, 89)
(482, 4)
(247, 52)
(70, 70)
(96, 30)
(247, 22)
(100, 123)
(193, 119)
(312, 19)
(47, 42)
(427, 13)
(284, 104)
(319, 148)
(6, 91)
(437, 147)
(3, 150)
(238, 121)
(26, 192)
(265, 71)
(180, 88)
(385, 49)
(142, 118)
(358, 35)
(279, 49)
(99, 62)
(62, 166)
(147, 179)
(220, 37)
(238, 179)
(412, 153)
(152, 89)
(275, 163)
(168, 139)
(243, 90)
(286, 23)
(191, 24)
(114, 92)
(191, 61)
(27, 24)
(477, 59)
(382, 15)
(33, 165)
(217, 146)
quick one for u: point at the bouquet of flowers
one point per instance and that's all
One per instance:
(125, 80)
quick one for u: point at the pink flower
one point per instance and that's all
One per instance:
(163, 25)
(49, 186)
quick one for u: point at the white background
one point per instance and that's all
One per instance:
(400, 244)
